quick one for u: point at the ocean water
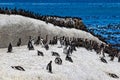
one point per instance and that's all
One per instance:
(101, 18)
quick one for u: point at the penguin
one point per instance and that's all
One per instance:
(55, 54)
(40, 53)
(18, 68)
(19, 42)
(68, 58)
(49, 67)
(9, 48)
(103, 60)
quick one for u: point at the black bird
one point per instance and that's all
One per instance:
(37, 42)
(103, 60)
(40, 53)
(113, 75)
(55, 54)
(118, 58)
(68, 58)
(10, 48)
(19, 42)
(49, 67)
(46, 46)
(58, 60)
(30, 46)
(18, 68)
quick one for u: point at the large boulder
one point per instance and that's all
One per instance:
(13, 27)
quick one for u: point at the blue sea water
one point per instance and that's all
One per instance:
(96, 16)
